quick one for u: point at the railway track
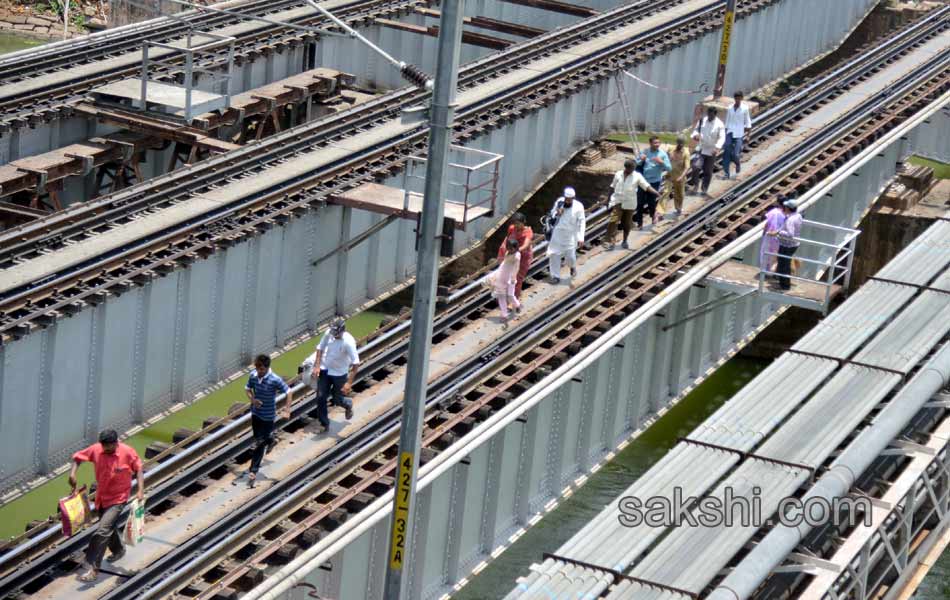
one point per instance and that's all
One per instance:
(206, 454)
(469, 393)
(42, 300)
(73, 224)
(23, 105)
(323, 492)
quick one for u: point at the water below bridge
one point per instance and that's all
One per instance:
(500, 576)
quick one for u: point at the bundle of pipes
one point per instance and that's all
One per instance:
(756, 442)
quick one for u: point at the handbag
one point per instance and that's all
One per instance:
(74, 511)
(489, 280)
(696, 162)
(549, 221)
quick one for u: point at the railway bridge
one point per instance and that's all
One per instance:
(222, 246)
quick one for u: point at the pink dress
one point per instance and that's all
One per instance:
(774, 219)
(503, 281)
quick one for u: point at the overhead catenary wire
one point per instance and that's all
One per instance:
(410, 72)
(241, 15)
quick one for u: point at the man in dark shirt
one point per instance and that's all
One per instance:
(262, 388)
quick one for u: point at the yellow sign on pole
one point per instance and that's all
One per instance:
(727, 22)
(726, 37)
(401, 515)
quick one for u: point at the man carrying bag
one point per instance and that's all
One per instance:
(115, 463)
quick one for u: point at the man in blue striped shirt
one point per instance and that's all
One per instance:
(262, 388)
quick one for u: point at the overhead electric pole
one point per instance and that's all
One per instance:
(441, 116)
(727, 23)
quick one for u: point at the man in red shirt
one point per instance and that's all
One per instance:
(114, 463)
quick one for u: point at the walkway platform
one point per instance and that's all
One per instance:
(319, 83)
(740, 278)
(162, 96)
(116, 238)
(388, 200)
(769, 441)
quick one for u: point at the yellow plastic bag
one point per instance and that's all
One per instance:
(74, 511)
(135, 525)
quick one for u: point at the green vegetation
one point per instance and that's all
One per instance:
(12, 43)
(643, 138)
(58, 7)
(941, 170)
(41, 502)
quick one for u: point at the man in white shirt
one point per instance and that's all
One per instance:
(567, 235)
(334, 368)
(711, 135)
(738, 122)
(623, 201)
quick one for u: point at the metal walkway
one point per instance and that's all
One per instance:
(771, 439)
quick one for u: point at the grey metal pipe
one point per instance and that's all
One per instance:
(769, 554)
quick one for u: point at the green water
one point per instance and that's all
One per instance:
(936, 585)
(41, 503)
(499, 577)
(12, 43)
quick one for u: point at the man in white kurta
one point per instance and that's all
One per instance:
(568, 233)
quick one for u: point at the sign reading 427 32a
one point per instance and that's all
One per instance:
(401, 515)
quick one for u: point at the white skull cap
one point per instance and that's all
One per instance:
(569, 192)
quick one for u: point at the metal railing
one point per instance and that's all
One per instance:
(902, 538)
(190, 70)
(831, 271)
(479, 171)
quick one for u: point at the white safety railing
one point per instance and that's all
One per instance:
(190, 70)
(833, 270)
(473, 177)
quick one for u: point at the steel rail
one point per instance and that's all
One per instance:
(935, 22)
(560, 323)
(18, 66)
(178, 466)
(75, 220)
(341, 174)
(52, 231)
(131, 253)
(762, 129)
(30, 107)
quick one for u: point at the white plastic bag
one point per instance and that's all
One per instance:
(135, 525)
(306, 372)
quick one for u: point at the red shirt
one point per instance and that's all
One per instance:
(524, 235)
(113, 472)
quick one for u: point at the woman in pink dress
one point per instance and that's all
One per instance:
(504, 278)
(774, 219)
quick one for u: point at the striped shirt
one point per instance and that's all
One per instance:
(791, 231)
(265, 389)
